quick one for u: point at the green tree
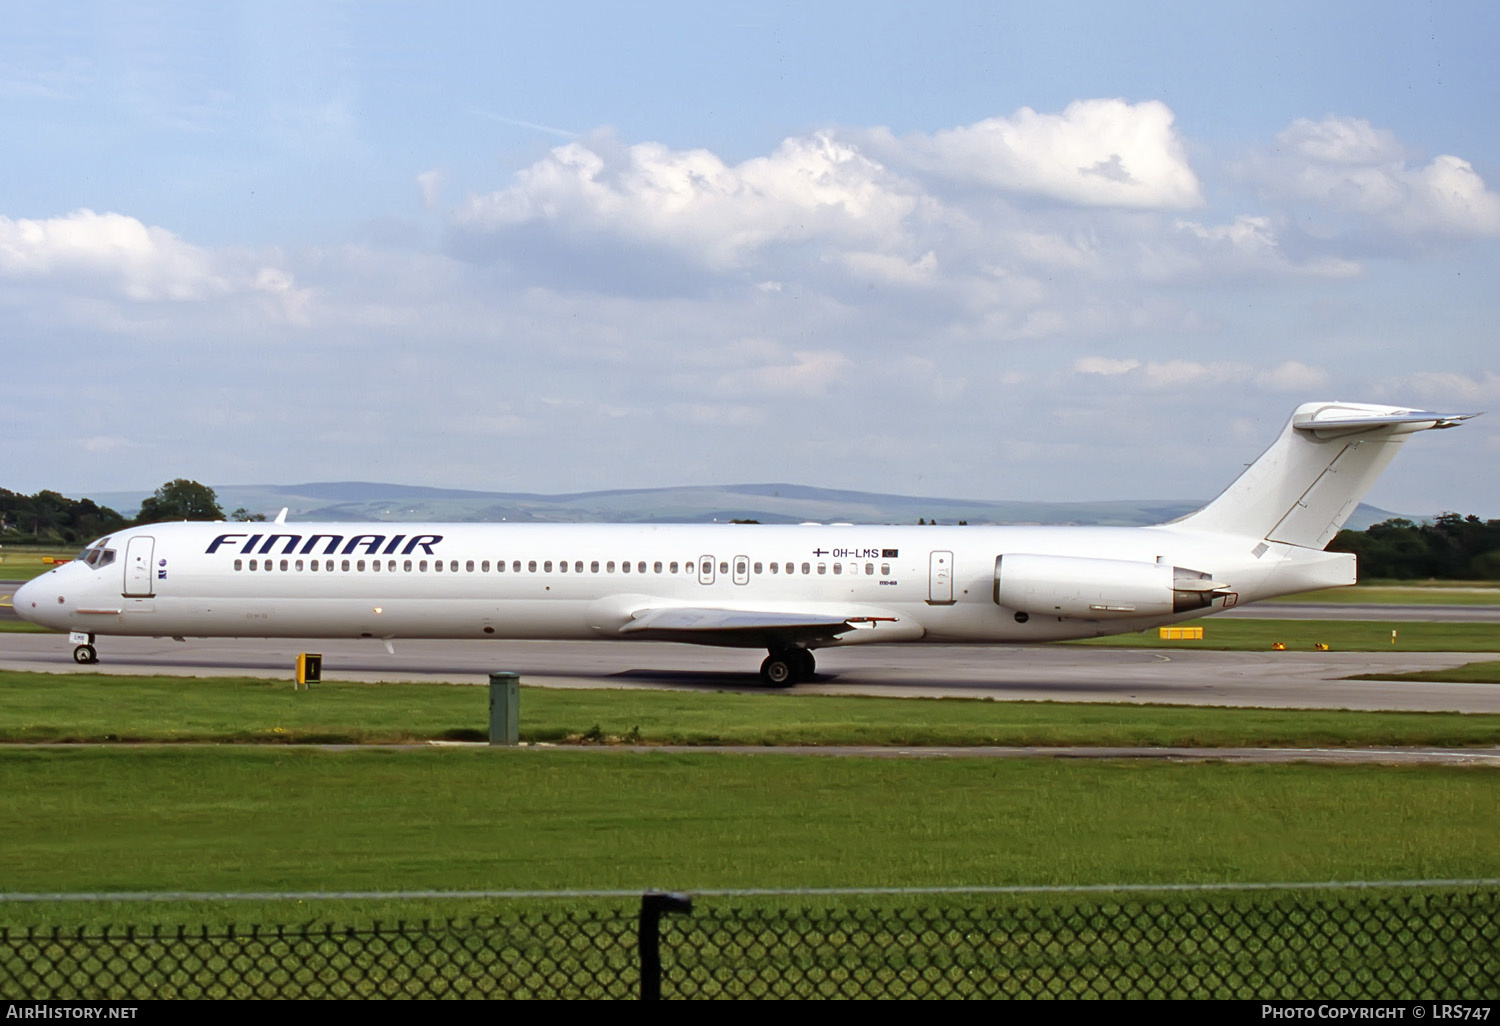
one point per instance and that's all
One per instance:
(180, 500)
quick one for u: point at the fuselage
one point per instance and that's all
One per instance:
(580, 581)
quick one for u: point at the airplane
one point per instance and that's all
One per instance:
(790, 589)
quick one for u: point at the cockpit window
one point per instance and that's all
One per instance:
(97, 555)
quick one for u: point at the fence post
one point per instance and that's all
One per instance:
(653, 905)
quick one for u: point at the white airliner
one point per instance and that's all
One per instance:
(787, 589)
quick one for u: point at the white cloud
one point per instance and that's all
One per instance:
(1103, 365)
(139, 262)
(1095, 153)
(813, 188)
(1346, 166)
(1287, 376)
(1291, 376)
(143, 262)
(1445, 388)
(428, 183)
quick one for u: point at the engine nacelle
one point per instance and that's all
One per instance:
(1096, 589)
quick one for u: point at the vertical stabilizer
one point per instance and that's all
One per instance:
(1304, 487)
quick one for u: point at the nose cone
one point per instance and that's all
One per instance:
(36, 599)
(25, 601)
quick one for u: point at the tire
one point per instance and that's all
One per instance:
(779, 670)
(85, 654)
(807, 666)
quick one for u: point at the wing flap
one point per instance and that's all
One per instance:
(750, 628)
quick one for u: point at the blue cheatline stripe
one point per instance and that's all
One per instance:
(753, 892)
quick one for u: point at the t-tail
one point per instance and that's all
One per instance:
(1305, 486)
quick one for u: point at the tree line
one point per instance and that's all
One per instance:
(1452, 547)
(49, 518)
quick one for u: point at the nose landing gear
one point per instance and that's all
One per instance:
(84, 651)
(787, 666)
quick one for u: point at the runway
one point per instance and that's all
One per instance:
(1042, 673)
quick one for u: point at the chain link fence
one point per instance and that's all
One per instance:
(1357, 944)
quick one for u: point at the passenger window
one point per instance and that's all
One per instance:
(469, 567)
(283, 564)
(610, 566)
(437, 566)
(885, 569)
(328, 565)
(594, 567)
(562, 566)
(313, 566)
(345, 566)
(422, 566)
(838, 568)
(578, 566)
(268, 566)
(641, 567)
(708, 567)
(724, 567)
(299, 566)
(375, 564)
(360, 566)
(822, 569)
(453, 566)
(484, 567)
(406, 565)
(254, 564)
(239, 564)
(547, 567)
(656, 567)
(773, 568)
(807, 568)
(757, 568)
(672, 567)
(869, 569)
(531, 566)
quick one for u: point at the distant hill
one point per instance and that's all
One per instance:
(767, 503)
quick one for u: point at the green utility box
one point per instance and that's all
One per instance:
(505, 708)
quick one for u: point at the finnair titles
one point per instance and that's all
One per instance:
(787, 589)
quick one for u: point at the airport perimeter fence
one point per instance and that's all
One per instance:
(1440, 943)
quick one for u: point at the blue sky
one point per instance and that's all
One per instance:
(1068, 251)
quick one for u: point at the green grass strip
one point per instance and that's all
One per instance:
(1469, 673)
(94, 707)
(1229, 634)
(228, 819)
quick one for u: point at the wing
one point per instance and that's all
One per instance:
(742, 628)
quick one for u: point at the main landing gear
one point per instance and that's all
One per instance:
(787, 666)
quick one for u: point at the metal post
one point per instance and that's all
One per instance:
(505, 708)
(653, 905)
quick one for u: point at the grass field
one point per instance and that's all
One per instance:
(249, 819)
(1469, 673)
(1412, 593)
(22, 564)
(1340, 635)
(93, 707)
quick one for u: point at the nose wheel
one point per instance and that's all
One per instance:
(85, 654)
(785, 667)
